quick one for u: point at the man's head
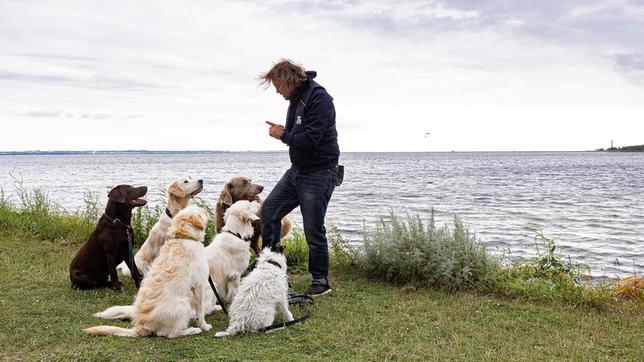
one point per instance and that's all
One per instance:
(285, 75)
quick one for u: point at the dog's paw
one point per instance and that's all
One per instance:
(221, 334)
(289, 316)
(205, 327)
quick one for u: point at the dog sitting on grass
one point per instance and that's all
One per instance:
(260, 294)
(179, 193)
(107, 246)
(243, 188)
(174, 290)
(228, 254)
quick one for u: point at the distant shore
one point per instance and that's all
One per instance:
(124, 152)
(638, 148)
(215, 152)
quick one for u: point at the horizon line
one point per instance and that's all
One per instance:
(54, 152)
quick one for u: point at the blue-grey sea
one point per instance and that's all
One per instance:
(592, 203)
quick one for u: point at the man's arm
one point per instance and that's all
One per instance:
(317, 121)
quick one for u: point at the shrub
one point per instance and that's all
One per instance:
(420, 254)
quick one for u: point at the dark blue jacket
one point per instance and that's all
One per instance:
(310, 128)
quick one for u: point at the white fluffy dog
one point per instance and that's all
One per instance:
(175, 287)
(179, 193)
(261, 293)
(228, 255)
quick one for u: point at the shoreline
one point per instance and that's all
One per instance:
(219, 152)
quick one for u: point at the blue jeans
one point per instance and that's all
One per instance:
(311, 192)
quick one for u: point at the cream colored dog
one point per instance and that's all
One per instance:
(228, 255)
(261, 294)
(175, 287)
(243, 188)
(179, 194)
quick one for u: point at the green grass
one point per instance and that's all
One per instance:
(361, 319)
(530, 310)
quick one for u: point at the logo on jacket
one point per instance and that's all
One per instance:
(298, 120)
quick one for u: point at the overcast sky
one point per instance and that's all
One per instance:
(182, 75)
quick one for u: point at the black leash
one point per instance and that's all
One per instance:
(293, 300)
(214, 289)
(130, 241)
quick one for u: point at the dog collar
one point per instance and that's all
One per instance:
(167, 212)
(239, 236)
(117, 221)
(274, 263)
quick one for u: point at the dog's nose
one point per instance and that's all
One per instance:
(200, 182)
(261, 188)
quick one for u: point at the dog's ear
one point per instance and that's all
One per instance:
(118, 194)
(175, 190)
(278, 248)
(249, 216)
(197, 222)
(225, 195)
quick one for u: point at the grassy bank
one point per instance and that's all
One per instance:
(414, 290)
(360, 320)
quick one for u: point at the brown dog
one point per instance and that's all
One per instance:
(107, 246)
(243, 188)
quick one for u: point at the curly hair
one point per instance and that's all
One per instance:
(285, 71)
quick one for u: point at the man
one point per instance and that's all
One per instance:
(312, 141)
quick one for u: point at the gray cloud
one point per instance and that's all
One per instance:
(600, 25)
(60, 113)
(630, 62)
(99, 82)
(43, 114)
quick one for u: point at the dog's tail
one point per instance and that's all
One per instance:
(124, 269)
(117, 312)
(115, 331)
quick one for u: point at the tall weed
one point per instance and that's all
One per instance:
(551, 276)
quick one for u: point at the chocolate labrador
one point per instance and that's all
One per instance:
(107, 246)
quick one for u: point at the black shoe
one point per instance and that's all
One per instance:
(317, 289)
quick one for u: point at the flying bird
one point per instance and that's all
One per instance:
(426, 134)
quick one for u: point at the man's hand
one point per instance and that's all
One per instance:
(275, 130)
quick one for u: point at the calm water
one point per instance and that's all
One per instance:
(592, 203)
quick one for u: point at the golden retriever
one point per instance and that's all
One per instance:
(174, 290)
(179, 194)
(228, 254)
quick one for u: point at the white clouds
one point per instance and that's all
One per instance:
(472, 73)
